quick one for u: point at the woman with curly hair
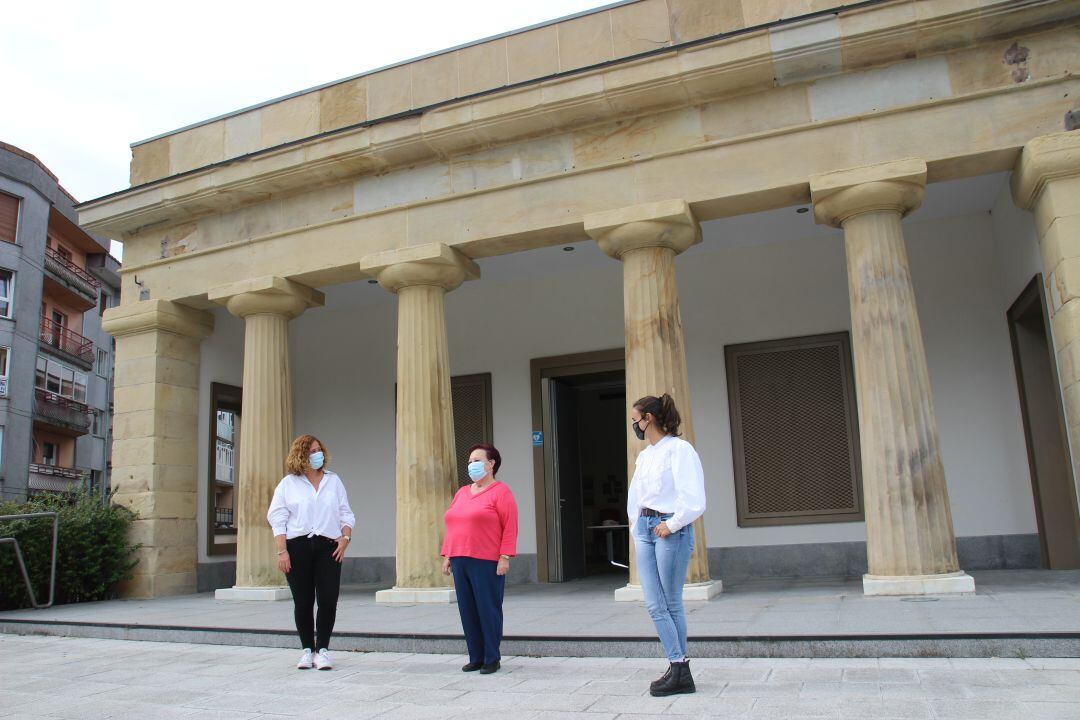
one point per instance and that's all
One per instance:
(312, 525)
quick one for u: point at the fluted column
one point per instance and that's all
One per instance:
(911, 547)
(155, 439)
(266, 428)
(426, 470)
(646, 238)
(1046, 181)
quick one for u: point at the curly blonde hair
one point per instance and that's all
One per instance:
(296, 462)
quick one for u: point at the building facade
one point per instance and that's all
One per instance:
(57, 281)
(841, 235)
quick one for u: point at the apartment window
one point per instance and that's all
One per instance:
(50, 454)
(96, 427)
(103, 362)
(5, 353)
(7, 293)
(54, 377)
(63, 252)
(9, 217)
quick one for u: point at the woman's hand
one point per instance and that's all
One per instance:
(446, 566)
(339, 551)
(283, 562)
(503, 567)
(662, 530)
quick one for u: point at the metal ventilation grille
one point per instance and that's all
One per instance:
(794, 431)
(471, 395)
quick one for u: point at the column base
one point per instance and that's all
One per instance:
(445, 595)
(957, 582)
(253, 593)
(692, 592)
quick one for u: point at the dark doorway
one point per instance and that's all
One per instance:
(580, 413)
(1052, 479)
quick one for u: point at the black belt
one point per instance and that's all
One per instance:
(649, 512)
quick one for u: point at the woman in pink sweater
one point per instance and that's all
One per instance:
(481, 537)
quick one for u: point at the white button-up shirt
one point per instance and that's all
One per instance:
(299, 509)
(668, 478)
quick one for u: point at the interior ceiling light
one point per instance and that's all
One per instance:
(803, 210)
(372, 281)
(568, 248)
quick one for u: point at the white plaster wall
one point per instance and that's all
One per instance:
(221, 360)
(733, 290)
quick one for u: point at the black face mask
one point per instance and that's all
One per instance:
(637, 430)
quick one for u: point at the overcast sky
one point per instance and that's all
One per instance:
(85, 79)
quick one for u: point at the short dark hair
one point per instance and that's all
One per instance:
(492, 454)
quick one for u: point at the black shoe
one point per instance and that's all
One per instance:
(471, 667)
(679, 682)
(490, 668)
(661, 680)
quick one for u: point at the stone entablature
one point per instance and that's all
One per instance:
(568, 63)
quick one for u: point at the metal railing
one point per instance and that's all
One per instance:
(22, 563)
(59, 410)
(223, 517)
(67, 341)
(72, 274)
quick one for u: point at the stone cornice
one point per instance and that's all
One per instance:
(673, 78)
(157, 315)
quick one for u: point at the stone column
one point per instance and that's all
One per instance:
(1046, 181)
(911, 548)
(646, 238)
(426, 474)
(266, 427)
(155, 438)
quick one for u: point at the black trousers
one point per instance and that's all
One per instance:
(315, 575)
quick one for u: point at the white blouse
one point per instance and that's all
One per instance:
(299, 509)
(668, 478)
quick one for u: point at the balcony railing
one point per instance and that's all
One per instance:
(74, 276)
(60, 411)
(71, 344)
(57, 479)
(223, 517)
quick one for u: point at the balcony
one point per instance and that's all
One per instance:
(61, 413)
(50, 478)
(69, 345)
(72, 278)
(223, 517)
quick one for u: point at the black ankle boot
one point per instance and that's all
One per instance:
(662, 679)
(680, 681)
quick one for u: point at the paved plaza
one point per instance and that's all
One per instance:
(49, 677)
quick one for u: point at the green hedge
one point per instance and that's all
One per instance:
(93, 553)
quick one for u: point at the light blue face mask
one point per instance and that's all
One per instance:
(316, 460)
(477, 470)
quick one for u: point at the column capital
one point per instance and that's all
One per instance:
(1044, 159)
(266, 295)
(893, 186)
(668, 223)
(435, 264)
(159, 315)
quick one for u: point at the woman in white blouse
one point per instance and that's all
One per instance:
(312, 525)
(667, 494)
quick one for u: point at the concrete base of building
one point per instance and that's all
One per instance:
(445, 595)
(944, 584)
(694, 592)
(253, 593)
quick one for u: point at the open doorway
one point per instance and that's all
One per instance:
(1052, 482)
(581, 465)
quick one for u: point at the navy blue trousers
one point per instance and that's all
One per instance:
(479, 600)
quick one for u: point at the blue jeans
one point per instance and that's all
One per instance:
(662, 564)
(479, 599)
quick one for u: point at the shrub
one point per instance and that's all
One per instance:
(93, 553)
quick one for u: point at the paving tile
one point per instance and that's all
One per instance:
(976, 710)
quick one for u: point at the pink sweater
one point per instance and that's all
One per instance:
(482, 526)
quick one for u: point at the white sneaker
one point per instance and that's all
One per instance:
(305, 661)
(322, 660)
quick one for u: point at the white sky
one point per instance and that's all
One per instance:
(84, 79)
